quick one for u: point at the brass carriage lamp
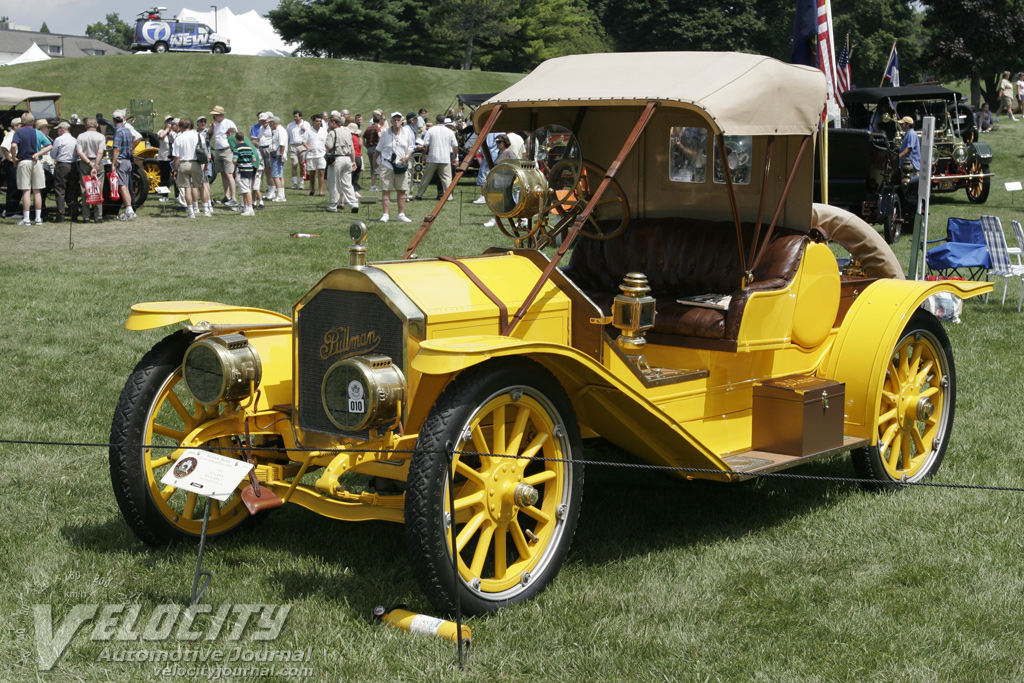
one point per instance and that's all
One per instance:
(357, 252)
(633, 311)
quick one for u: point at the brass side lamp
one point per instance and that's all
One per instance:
(357, 252)
(633, 312)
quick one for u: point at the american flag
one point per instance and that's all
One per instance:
(826, 52)
(843, 68)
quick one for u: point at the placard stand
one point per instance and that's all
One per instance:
(1013, 186)
(197, 590)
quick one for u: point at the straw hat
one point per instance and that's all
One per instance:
(217, 110)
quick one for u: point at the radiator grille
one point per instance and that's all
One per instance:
(335, 325)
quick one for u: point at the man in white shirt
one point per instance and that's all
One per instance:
(188, 173)
(315, 144)
(223, 158)
(441, 147)
(90, 148)
(63, 154)
(297, 130)
(395, 147)
(278, 150)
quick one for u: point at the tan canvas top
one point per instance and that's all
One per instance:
(739, 94)
(9, 97)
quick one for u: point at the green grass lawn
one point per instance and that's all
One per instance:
(773, 580)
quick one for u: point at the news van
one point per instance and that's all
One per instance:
(155, 34)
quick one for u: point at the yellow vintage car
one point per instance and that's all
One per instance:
(701, 323)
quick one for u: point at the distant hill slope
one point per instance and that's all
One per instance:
(190, 84)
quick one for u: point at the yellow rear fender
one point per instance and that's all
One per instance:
(869, 333)
(153, 314)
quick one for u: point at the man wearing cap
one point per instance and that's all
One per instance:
(163, 155)
(204, 191)
(10, 170)
(339, 171)
(121, 163)
(223, 157)
(441, 147)
(910, 147)
(297, 130)
(63, 154)
(278, 150)
(396, 147)
(188, 173)
(90, 148)
(254, 137)
(371, 138)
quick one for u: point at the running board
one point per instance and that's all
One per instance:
(748, 463)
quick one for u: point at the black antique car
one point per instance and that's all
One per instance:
(864, 174)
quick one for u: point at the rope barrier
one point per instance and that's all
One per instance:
(585, 463)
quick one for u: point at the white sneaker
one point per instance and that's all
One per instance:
(24, 221)
(268, 196)
(373, 188)
(332, 209)
(39, 221)
(384, 218)
(490, 224)
(208, 213)
(402, 218)
(480, 200)
(278, 199)
(248, 212)
(190, 214)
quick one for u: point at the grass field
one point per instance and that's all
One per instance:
(774, 580)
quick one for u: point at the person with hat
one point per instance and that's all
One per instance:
(10, 170)
(121, 162)
(371, 138)
(255, 134)
(396, 146)
(204, 190)
(27, 150)
(910, 147)
(163, 155)
(223, 155)
(278, 151)
(357, 168)
(340, 153)
(64, 170)
(90, 148)
(441, 149)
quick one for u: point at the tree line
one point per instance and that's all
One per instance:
(938, 39)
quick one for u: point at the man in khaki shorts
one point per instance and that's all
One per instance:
(188, 172)
(223, 158)
(27, 150)
(396, 146)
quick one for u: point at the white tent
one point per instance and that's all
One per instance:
(33, 54)
(250, 33)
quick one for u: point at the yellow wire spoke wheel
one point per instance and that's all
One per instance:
(152, 172)
(155, 418)
(517, 494)
(915, 412)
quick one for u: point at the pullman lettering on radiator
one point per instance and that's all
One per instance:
(341, 342)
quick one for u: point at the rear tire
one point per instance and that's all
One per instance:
(160, 48)
(915, 412)
(893, 222)
(509, 550)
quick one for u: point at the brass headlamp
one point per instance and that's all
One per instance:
(363, 391)
(515, 187)
(223, 367)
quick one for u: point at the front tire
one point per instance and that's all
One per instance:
(977, 190)
(160, 48)
(893, 221)
(915, 412)
(508, 550)
(155, 410)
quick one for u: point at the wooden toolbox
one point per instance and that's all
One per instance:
(798, 415)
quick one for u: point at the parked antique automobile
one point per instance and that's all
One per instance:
(865, 177)
(697, 325)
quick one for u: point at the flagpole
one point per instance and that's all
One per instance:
(891, 52)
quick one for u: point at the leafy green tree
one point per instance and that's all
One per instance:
(112, 31)
(873, 25)
(469, 21)
(342, 28)
(640, 25)
(975, 38)
(547, 29)
(44, 28)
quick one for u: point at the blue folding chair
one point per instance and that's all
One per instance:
(995, 240)
(963, 253)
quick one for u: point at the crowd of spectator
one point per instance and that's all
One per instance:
(328, 153)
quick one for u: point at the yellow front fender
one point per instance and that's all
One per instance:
(869, 333)
(153, 314)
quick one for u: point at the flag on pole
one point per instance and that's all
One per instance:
(805, 30)
(892, 69)
(827, 58)
(843, 67)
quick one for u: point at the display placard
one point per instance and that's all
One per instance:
(206, 473)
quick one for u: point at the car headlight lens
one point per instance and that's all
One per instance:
(220, 368)
(363, 391)
(515, 188)
(960, 153)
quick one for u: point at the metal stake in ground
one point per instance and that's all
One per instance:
(450, 447)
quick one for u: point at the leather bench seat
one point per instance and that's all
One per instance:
(684, 258)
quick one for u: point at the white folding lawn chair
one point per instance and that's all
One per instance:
(1018, 250)
(995, 241)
